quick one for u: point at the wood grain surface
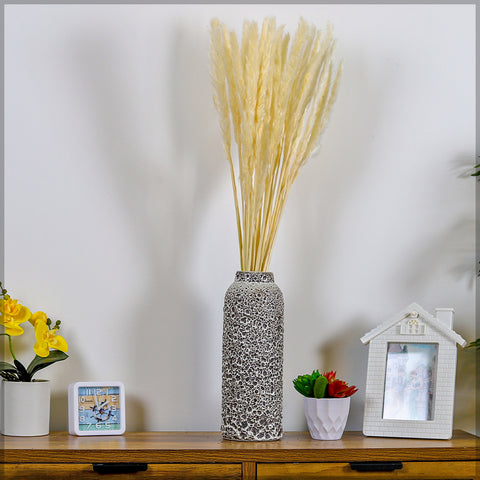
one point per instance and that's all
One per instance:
(205, 447)
(205, 455)
(409, 471)
(32, 471)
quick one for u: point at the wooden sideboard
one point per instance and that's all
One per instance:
(204, 455)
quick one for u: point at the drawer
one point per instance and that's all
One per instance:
(32, 471)
(410, 471)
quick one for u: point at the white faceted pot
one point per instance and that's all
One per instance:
(326, 417)
(25, 408)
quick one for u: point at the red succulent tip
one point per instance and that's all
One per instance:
(340, 389)
(330, 376)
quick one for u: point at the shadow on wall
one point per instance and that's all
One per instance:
(465, 390)
(162, 190)
(326, 186)
(59, 411)
(197, 144)
(59, 398)
(452, 241)
(346, 353)
(135, 415)
(323, 192)
(462, 167)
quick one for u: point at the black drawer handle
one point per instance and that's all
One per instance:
(376, 466)
(119, 467)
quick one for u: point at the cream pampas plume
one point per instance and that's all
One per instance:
(273, 96)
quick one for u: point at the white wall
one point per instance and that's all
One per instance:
(119, 216)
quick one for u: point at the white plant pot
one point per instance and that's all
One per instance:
(326, 417)
(25, 408)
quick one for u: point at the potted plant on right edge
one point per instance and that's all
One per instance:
(326, 402)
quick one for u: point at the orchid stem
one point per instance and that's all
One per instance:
(10, 345)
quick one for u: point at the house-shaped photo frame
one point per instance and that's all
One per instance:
(411, 375)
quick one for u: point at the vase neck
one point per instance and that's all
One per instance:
(259, 277)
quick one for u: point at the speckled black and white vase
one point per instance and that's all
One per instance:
(252, 359)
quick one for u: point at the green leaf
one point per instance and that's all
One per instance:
(7, 367)
(10, 376)
(320, 387)
(22, 371)
(304, 383)
(300, 388)
(475, 344)
(41, 362)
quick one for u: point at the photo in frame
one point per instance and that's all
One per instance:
(409, 356)
(410, 381)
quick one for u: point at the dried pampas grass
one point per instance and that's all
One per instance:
(273, 97)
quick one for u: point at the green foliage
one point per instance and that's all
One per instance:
(304, 383)
(8, 371)
(323, 386)
(41, 362)
(7, 367)
(475, 344)
(18, 373)
(22, 373)
(320, 387)
(313, 386)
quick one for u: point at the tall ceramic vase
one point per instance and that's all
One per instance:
(252, 359)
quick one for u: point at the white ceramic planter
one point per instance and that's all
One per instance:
(25, 408)
(326, 417)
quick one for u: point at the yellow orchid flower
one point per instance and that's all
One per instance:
(38, 316)
(12, 314)
(47, 339)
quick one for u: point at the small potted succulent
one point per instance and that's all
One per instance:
(326, 402)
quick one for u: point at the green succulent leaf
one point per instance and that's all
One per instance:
(41, 362)
(320, 387)
(304, 383)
